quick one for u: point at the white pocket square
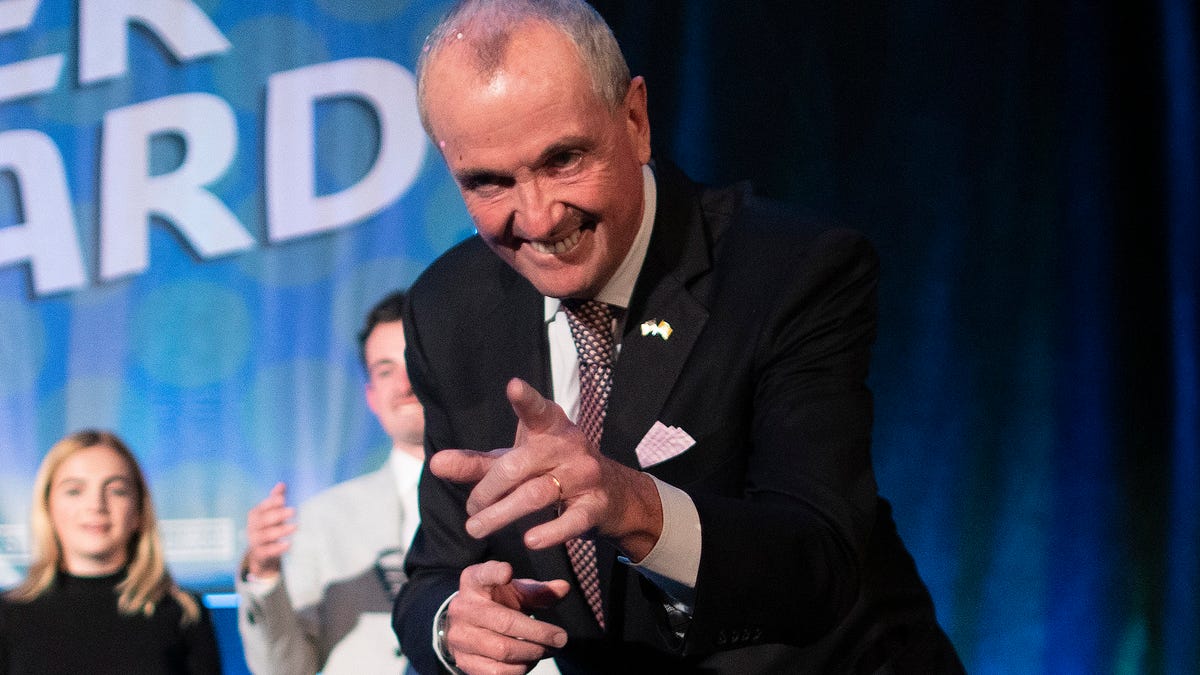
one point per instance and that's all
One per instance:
(662, 443)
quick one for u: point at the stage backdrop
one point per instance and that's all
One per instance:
(199, 201)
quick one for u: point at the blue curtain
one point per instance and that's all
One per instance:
(1181, 57)
(1029, 172)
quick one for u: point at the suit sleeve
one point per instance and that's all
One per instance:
(273, 638)
(441, 548)
(804, 518)
(276, 638)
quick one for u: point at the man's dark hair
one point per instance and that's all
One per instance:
(389, 309)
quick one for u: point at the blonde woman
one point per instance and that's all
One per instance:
(98, 598)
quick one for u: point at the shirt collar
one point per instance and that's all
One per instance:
(619, 289)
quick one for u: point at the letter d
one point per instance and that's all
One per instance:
(293, 208)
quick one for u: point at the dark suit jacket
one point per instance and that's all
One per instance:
(773, 315)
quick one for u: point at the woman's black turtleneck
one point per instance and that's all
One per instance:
(75, 628)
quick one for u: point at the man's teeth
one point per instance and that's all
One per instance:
(557, 247)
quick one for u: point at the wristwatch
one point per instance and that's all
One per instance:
(443, 626)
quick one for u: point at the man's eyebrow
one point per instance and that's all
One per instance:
(472, 176)
(568, 144)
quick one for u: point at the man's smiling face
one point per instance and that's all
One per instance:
(551, 175)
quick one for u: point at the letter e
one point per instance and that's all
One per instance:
(180, 25)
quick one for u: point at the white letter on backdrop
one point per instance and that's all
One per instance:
(103, 45)
(129, 195)
(293, 210)
(32, 76)
(47, 238)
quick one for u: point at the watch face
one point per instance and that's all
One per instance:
(390, 566)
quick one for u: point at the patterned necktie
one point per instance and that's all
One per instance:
(591, 327)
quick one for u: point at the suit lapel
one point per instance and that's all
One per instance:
(649, 365)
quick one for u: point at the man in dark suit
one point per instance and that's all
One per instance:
(719, 475)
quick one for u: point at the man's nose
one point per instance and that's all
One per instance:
(537, 212)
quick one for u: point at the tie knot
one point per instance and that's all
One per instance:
(595, 314)
(591, 326)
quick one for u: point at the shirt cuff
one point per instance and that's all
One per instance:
(674, 562)
(259, 588)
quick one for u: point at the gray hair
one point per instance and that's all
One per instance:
(488, 25)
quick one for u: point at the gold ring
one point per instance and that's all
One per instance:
(558, 509)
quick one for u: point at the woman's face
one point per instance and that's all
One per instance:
(94, 510)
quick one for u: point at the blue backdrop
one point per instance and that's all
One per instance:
(198, 203)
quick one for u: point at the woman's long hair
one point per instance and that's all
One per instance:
(147, 581)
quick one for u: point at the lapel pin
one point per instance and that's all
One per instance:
(661, 329)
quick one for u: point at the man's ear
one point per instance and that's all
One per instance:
(637, 119)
